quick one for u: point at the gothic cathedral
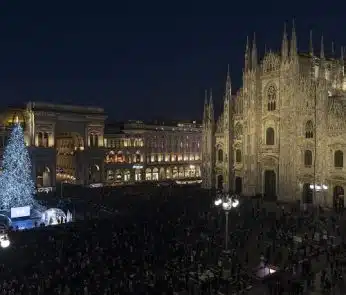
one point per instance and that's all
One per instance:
(283, 135)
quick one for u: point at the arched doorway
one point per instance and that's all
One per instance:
(238, 185)
(175, 172)
(137, 157)
(94, 174)
(181, 172)
(155, 174)
(127, 175)
(168, 173)
(118, 176)
(148, 175)
(219, 182)
(138, 175)
(162, 174)
(338, 197)
(270, 184)
(307, 194)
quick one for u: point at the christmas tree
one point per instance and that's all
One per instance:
(16, 185)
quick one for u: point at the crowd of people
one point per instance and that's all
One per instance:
(171, 241)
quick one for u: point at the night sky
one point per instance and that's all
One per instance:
(142, 60)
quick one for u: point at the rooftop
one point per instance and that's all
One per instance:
(120, 127)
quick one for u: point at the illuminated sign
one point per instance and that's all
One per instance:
(18, 212)
(45, 189)
(94, 185)
(137, 166)
(188, 181)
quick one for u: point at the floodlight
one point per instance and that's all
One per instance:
(5, 243)
(218, 202)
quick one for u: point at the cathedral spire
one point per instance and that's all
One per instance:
(311, 46)
(342, 64)
(254, 53)
(228, 86)
(247, 56)
(322, 48)
(342, 54)
(322, 60)
(284, 46)
(205, 111)
(211, 106)
(293, 51)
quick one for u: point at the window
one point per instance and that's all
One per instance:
(270, 136)
(271, 95)
(148, 175)
(307, 158)
(220, 155)
(238, 156)
(309, 129)
(138, 175)
(127, 175)
(338, 159)
(155, 174)
(137, 158)
(93, 138)
(238, 131)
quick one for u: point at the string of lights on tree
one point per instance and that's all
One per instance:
(17, 186)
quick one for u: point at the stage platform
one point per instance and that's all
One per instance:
(25, 223)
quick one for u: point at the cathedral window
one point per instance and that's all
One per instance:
(239, 105)
(308, 158)
(271, 95)
(238, 156)
(338, 159)
(220, 155)
(270, 136)
(238, 131)
(309, 129)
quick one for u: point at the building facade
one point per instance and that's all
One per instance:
(65, 142)
(73, 144)
(284, 133)
(138, 151)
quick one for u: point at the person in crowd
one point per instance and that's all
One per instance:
(147, 243)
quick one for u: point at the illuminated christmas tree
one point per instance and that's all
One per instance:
(16, 185)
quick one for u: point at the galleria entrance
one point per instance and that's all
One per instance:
(270, 185)
(238, 185)
(338, 197)
(219, 182)
(307, 194)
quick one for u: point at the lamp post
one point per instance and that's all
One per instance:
(226, 202)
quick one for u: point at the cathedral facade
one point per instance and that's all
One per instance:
(283, 135)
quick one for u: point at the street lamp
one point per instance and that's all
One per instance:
(4, 241)
(226, 202)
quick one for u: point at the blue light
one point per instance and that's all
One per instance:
(16, 185)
